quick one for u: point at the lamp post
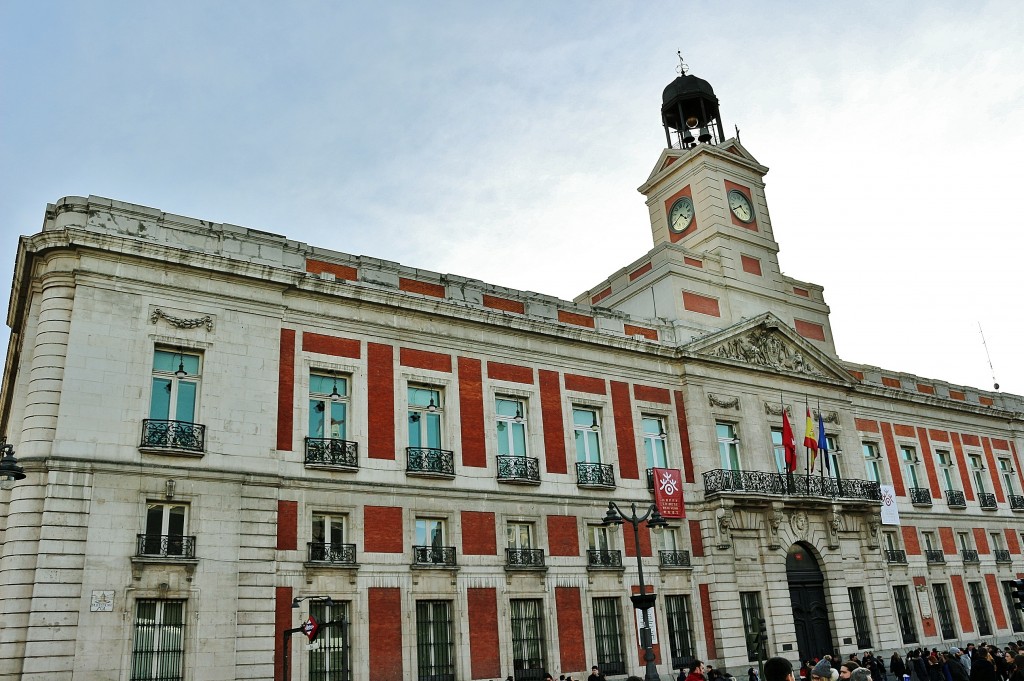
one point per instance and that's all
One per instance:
(644, 600)
(286, 634)
(9, 468)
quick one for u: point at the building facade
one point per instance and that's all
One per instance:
(217, 423)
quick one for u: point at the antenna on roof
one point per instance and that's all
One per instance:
(683, 66)
(995, 383)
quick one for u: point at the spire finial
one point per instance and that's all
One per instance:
(683, 66)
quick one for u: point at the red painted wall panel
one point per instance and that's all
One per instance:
(910, 540)
(282, 621)
(892, 455)
(648, 393)
(287, 525)
(484, 649)
(330, 345)
(993, 470)
(563, 536)
(866, 425)
(551, 415)
(509, 372)
(625, 439)
(424, 359)
(981, 541)
(286, 390)
(380, 384)
(504, 304)
(961, 462)
(629, 541)
(382, 529)
(696, 539)
(342, 272)
(929, 463)
(962, 607)
(585, 384)
(569, 610)
(422, 287)
(471, 407)
(947, 541)
(478, 534)
(709, 621)
(384, 610)
(684, 436)
(997, 601)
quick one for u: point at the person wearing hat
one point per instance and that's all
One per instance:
(860, 674)
(952, 666)
(823, 672)
(846, 669)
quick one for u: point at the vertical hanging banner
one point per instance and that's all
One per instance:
(668, 492)
(890, 514)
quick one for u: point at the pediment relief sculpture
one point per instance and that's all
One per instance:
(768, 348)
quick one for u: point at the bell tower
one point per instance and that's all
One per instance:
(688, 106)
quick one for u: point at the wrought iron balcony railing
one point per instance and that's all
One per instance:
(987, 501)
(896, 556)
(433, 555)
(969, 555)
(604, 558)
(528, 669)
(595, 475)
(326, 451)
(524, 558)
(920, 496)
(612, 667)
(518, 469)
(782, 484)
(674, 558)
(1016, 502)
(339, 554)
(1002, 556)
(179, 435)
(166, 546)
(934, 556)
(430, 461)
(955, 499)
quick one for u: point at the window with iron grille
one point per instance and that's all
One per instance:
(1015, 620)
(435, 655)
(527, 639)
(905, 613)
(980, 611)
(159, 640)
(330, 660)
(861, 623)
(750, 604)
(611, 658)
(680, 630)
(942, 607)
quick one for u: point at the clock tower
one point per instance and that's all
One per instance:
(715, 259)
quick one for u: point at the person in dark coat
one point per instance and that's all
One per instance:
(954, 670)
(897, 666)
(982, 666)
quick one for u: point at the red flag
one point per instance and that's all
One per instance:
(788, 442)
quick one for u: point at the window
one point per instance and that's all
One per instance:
(608, 635)
(1007, 473)
(996, 539)
(833, 456)
(977, 472)
(929, 541)
(890, 543)
(435, 657)
(728, 446)
(750, 604)
(328, 539)
(946, 473)
(980, 611)
(429, 546)
(680, 630)
(425, 409)
(601, 551)
(654, 441)
(159, 640)
(600, 538)
(905, 613)
(944, 610)
(1015, 618)
(175, 386)
(871, 457)
(964, 539)
(519, 535)
(328, 407)
(519, 546)
(329, 661)
(510, 415)
(587, 432)
(527, 638)
(778, 450)
(908, 455)
(861, 623)
(166, 526)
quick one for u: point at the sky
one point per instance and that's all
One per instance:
(505, 141)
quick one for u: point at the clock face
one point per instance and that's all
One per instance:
(740, 206)
(681, 215)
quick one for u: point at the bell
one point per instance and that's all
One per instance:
(687, 136)
(705, 134)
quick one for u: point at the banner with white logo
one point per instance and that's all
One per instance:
(668, 492)
(890, 514)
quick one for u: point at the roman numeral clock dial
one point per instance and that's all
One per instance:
(680, 216)
(740, 206)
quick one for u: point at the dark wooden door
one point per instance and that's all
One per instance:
(810, 609)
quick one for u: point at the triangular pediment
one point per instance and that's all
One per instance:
(768, 343)
(730, 149)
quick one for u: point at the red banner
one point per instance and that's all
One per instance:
(668, 492)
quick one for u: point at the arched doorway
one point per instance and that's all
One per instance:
(810, 610)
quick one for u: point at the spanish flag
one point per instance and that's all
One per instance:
(810, 439)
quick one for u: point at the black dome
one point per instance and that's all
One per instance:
(688, 98)
(687, 86)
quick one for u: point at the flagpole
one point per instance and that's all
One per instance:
(807, 456)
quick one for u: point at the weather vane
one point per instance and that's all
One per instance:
(683, 66)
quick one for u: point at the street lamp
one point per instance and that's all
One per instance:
(644, 600)
(9, 468)
(287, 633)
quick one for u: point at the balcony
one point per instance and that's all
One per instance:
(1003, 556)
(518, 469)
(1016, 502)
(596, 475)
(430, 462)
(674, 559)
(335, 554)
(331, 453)
(898, 556)
(165, 546)
(987, 501)
(955, 499)
(180, 437)
(433, 556)
(524, 559)
(969, 555)
(765, 485)
(604, 558)
(920, 496)
(934, 557)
